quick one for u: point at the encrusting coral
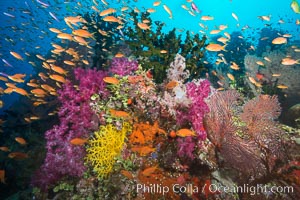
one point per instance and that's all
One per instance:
(105, 145)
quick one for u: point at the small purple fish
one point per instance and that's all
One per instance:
(6, 62)
(195, 8)
(9, 15)
(42, 3)
(3, 74)
(121, 32)
(54, 17)
(27, 5)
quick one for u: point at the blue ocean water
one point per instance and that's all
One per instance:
(28, 29)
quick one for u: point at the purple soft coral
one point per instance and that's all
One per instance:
(186, 147)
(123, 66)
(197, 93)
(76, 120)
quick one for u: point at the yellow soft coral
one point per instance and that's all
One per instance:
(106, 144)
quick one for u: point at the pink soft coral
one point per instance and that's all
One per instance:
(76, 120)
(194, 113)
(123, 66)
(197, 92)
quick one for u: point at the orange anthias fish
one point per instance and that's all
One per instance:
(111, 19)
(65, 36)
(21, 91)
(119, 55)
(206, 18)
(149, 171)
(83, 33)
(81, 40)
(156, 3)
(282, 86)
(143, 26)
(252, 80)
(213, 32)
(2, 176)
(151, 10)
(185, 133)
(289, 61)
(16, 55)
(234, 66)
(18, 155)
(54, 30)
(279, 40)
(230, 76)
(171, 85)
(135, 79)
(5, 149)
(58, 69)
(38, 92)
(21, 140)
(17, 76)
(18, 80)
(260, 63)
(111, 80)
(78, 141)
(67, 62)
(127, 174)
(57, 78)
(107, 12)
(215, 47)
(118, 113)
(143, 151)
(47, 87)
(32, 84)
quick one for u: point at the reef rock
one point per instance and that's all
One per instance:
(294, 115)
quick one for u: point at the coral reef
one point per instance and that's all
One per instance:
(275, 78)
(177, 70)
(123, 66)
(265, 43)
(197, 92)
(149, 47)
(287, 75)
(247, 138)
(77, 120)
(107, 44)
(148, 117)
(105, 146)
(293, 115)
(186, 147)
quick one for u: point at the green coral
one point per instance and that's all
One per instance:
(147, 45)
(63, 186)
(117, 99)
(105, 146)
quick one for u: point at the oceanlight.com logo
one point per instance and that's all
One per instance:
(213, 189)
(252, 190)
